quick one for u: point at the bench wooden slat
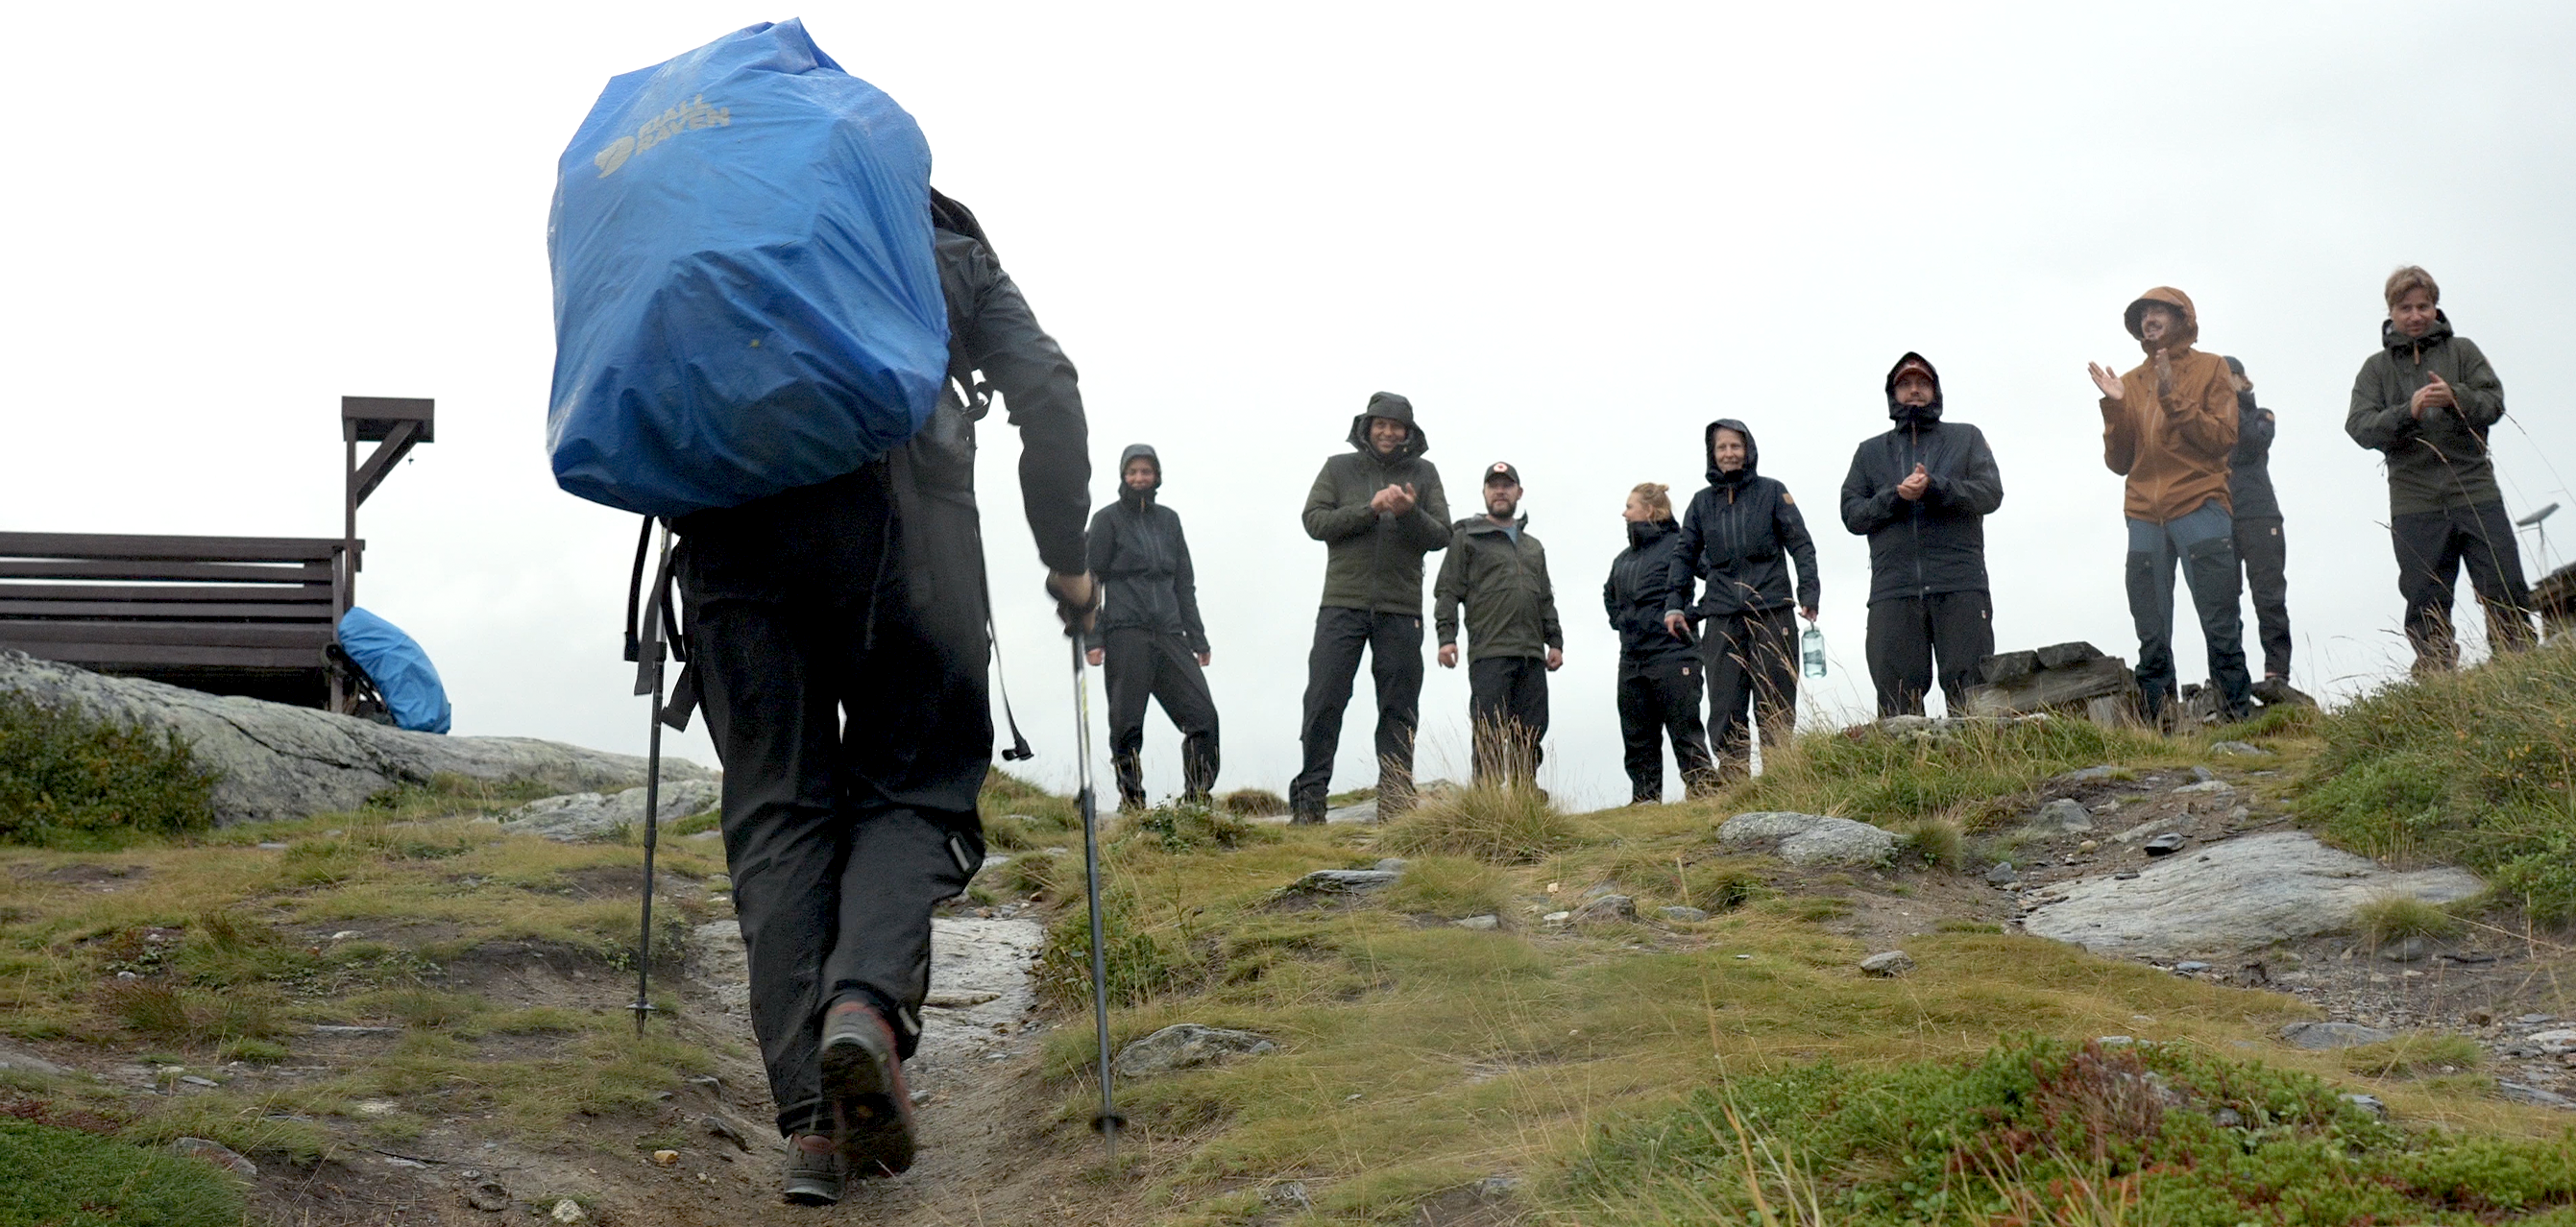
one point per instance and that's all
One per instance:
(110, 568)
(169, 548)
(111, 657)
(259, 594)
(93, 612)
(20, 634)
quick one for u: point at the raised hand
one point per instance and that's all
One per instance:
(1914, 485)
(2107, 380)
(2433, 395)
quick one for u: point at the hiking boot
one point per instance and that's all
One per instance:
(813, 1176)
(1306, 818)
(863, 1080)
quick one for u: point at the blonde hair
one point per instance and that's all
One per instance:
(1653, 494)
(2410, 278)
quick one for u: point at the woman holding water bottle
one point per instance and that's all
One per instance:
(1742, 535)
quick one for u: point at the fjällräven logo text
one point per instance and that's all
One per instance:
(694, 114)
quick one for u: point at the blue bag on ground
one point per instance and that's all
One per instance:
(745, 294)
(401, 671)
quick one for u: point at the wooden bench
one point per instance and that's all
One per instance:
(255, 616)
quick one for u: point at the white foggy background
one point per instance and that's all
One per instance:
(1572, 236)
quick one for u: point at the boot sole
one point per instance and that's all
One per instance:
(869, 1121)
(812, 1193)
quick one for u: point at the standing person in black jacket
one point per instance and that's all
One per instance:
(1149, 634)
(2259, 544)
(837, 639)
(1921, 494)
(1741, 534)
(1659, 671)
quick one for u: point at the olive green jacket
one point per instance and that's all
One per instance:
(1511, 606)
(1372, 561)
(2439, 461)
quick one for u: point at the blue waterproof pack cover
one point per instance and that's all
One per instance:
(401, 671)
(746, 298)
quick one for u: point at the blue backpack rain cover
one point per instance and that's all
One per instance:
(746, 299)
(401, 671)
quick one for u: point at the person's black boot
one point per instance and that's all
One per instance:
(813, 1176)
(863, 1079)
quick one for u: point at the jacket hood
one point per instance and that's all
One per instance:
(1924, 416)
(1642, 533)
(1389, 405)
(2396, 341)
(1708, 450)
(2244, 399)
(1127, 493)
(2175, 299)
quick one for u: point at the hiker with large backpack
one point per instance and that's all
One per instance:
(783, 363)
(1149, 642)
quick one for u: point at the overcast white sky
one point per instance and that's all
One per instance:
(1572, 235)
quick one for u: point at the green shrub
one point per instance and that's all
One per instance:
(2475, 768)
(2172, 1135)
(71, 780)
(1140, 964)
(1195, 828)
(1491, 822)
(66, 1178)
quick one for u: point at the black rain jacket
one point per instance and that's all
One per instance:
(1143, 563)
(1741, 534)
(1635, 594)
(1935, 544)
(2249, 467)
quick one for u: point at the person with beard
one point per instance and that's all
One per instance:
(1659, 673)
(837, 637)
(2260, 547)
(1378, 509)
(1921, 494)
(1149, 639)
(2168, 427)
(2425, 402)
(1740, 534)
(1499, 572)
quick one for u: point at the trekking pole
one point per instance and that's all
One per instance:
(1108, 1122)
(648, 680)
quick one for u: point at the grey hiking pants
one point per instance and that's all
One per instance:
(2204, 543)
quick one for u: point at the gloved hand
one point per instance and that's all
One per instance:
(1077, 601)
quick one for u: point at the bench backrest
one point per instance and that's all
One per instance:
(125, 603)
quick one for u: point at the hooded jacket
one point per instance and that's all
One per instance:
(2249, 478)
(2440, 461)
(1502, 578)
(1371, 561)
(1143, 563)
(1937, 543)
(2172, 443)
(1741, 534)
(1635, 594)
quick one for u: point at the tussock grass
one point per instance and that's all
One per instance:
(1499, 823)
(1450, 887)
(1253, 803)
(2415, 1055)
(2398, 917)
(2475, 768)
(1931, 843)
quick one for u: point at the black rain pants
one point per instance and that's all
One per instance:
(1907, 634)
(2204, 543)
(1659, 698)
(1141, 663)
(2266, 557)
(1394, 644)
(1752, 663)
(2431, 547)
(1507, 711)
(855, 735)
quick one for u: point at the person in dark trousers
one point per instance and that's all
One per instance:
(1741, 534)
(1499, 572)
(1149, 638)
(837, 639)
(2260, 548)
(1378, 509)
(2426, 402)
(2168, 427)
(1659, 672)
(1921, 494)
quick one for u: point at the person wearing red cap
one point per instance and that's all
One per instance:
(2169, 427)
(1499, 572)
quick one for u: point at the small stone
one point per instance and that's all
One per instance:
(1608, 909)
(2244, 749)
(489, 1197)
(1557, 918)
(328, 1029)
(1888, 963)
(1185, 1046)
(2411, 950)
(1342, 882)
(2166, 844)
(399, 1161)
(2002, 874)
(2368, 1103)
(1289, 1195)
(1492, 1188)
(2523, 1092)
(567, 1210)
(2190, 968)
(2115, 1041)
(2239, 814)
(1484, 922)
(2534, 1020)
(1392, 864)
(2065, 814)
(345, 935)
(218, 1154)
(2202, 775)
(920, 1097)
(2554, 1041)
(2211, 787)
(2319, 1036)
(2227, 1118)
(958, 998)
(273, 847)
(665, 1158)
(2090, 845)
(194, 1080)
(1682, 915)
(377, 1107)
(2103, 772)
(719, 1127)
(2124, 875)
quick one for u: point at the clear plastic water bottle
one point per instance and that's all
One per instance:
(1811, 646)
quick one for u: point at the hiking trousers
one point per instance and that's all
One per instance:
(1659, 698)
(2431, 548)
(1141, 664)
(2266, 557)
(1507, 712)
(855, 735)
(1752, 664)
(1907, 634)
(2204, 543)
(1394, 644)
